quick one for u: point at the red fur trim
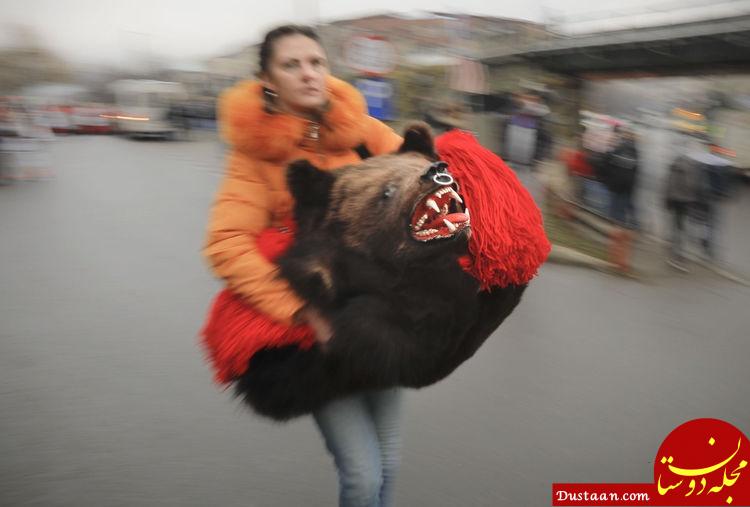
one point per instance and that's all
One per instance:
(507, 243)
(247, 126)
(235, 331)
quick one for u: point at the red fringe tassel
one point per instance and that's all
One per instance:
(507, 243)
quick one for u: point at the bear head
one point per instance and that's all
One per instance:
(403, 206)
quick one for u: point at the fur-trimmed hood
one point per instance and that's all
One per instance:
(250, 128)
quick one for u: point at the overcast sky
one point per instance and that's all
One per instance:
(120, 31)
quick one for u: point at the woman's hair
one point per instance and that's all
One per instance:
(266, 48)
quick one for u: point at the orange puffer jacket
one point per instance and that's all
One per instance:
(253, 195)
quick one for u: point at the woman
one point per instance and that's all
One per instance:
(297, 111)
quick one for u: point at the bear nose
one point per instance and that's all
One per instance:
(438, 172)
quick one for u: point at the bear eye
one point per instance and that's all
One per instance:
(388, 191)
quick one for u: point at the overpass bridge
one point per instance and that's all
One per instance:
(716, 46)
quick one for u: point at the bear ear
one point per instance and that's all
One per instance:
(418, 138)
(311, 189)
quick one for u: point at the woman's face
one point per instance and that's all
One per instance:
(296, 72)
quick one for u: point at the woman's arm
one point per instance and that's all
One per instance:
(239, 213)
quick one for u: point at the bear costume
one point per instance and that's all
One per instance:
(388, 252)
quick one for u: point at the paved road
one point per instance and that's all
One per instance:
(105, 399)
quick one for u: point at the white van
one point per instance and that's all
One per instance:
(143, 106)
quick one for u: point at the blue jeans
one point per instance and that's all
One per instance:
(363, 433)
(595, 195)
(622, 209)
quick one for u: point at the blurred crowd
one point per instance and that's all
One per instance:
(605, 167)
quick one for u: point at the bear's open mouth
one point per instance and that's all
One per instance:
(439, 214)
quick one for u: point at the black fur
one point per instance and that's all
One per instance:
(314, 187)
(398, 320)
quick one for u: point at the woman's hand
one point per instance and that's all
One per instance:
(317, 322)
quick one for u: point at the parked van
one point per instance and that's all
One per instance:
(144, 105)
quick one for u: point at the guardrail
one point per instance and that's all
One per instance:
(618, 240)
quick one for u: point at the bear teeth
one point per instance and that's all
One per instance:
(450, 225)
(449, 190)
(421, 221)
(432, 205)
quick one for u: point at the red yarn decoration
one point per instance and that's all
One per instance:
(507, 243)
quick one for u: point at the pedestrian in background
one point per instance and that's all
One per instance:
(679, 198)
(580, 169)
(620, 174)
(712, 186)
